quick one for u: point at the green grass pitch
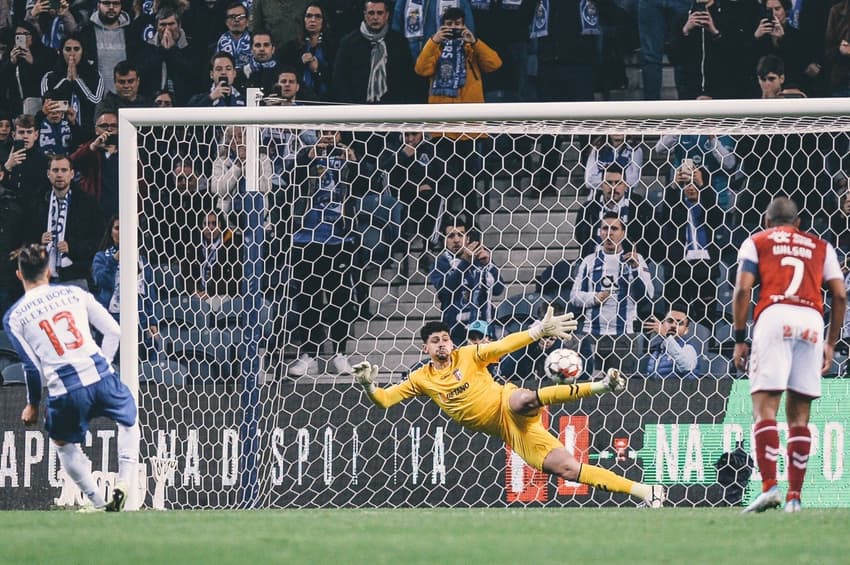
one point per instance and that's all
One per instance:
(432, 536)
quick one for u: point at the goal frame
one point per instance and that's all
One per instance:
(578, 117)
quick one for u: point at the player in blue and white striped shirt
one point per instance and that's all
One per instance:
(49, 327)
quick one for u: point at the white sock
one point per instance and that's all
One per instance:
(77, 466)
(128, 452)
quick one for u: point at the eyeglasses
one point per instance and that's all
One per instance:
(313, 17)
(69, 49)
(22, 33)
(236, 17)
(110, 3)
(162, 102)
(108, 125)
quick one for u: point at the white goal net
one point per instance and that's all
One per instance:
(275, 247)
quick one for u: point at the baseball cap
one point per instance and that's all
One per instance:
(479, 326)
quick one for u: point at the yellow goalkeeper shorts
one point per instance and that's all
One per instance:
(526, 434)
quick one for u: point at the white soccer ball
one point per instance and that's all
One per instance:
(563, 366)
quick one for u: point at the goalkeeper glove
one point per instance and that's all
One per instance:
(365, 373)
(614, 381)
(561, 326)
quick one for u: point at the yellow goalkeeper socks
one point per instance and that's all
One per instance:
(558, 394)
(603, 479)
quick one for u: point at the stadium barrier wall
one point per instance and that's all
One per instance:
(337, 452)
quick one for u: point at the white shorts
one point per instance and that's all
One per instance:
(787, 351)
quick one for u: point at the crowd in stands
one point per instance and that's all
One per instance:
(340, 203)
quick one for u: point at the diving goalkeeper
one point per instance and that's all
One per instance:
(459, 382)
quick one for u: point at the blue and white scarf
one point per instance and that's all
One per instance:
(57, 221)
(697, 233)
(487, 4)
(55, 138)
(255, 65)
(540, 23)
(413, 19)
(451, 69)
(239, 48)
(308, 78)
(589, 18)
(53, 38)
(210, 260)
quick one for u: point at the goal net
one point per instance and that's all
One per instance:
(271, 248)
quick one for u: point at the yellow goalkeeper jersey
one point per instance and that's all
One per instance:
(465, 390)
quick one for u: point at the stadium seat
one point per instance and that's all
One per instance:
(191, 311)
(208, 353)
(14, 374)
(6, 345)
(233, 314)
(167, 372)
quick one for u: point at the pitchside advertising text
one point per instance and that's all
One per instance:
(349, 455)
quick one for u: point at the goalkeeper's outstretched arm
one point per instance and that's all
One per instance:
(550, 326)
(366, 374)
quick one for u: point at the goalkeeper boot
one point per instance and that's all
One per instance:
(119, 497)
(771, 498)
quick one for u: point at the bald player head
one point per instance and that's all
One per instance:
(782, 211)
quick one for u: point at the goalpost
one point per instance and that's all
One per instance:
(228, 425)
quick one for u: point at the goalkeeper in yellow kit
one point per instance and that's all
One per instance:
(459, 382)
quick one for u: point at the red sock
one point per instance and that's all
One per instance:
(799, 443)
(767, 451)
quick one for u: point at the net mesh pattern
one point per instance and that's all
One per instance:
(263, 298)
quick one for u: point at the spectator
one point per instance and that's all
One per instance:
(236, 40)
(479, 332)
(26, 164)
(567, 55)
(323, 248)
(455, 61)
(713, 46)
(5, 137)
(613, 148)
(771, 74)
(163, 99)
(838, 48)
(168, 60)
(692, 220)
(107, 40)
(615, 197)
(126, 81)
(373, 64)
(12, 222)
(74, 223)
(313, 52)
(53, 25)
(20, 83)
(774, 36)
(96, 162)
(279, 17)
(221, 90)
(609, 286)
(58, 132)
(77, 79)
(344, 16)
(107, 284)
(228, 176)
(657, 21)
(417, 20)
(505, 28)
(414, 172)
(262, 70)
(212, 270)
(672, 352)
(811, 19)
(175, 213)
(714, 153)
(464, 278)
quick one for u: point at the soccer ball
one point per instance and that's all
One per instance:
(563, 366)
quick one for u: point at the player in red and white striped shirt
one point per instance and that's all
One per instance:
(788, 351)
